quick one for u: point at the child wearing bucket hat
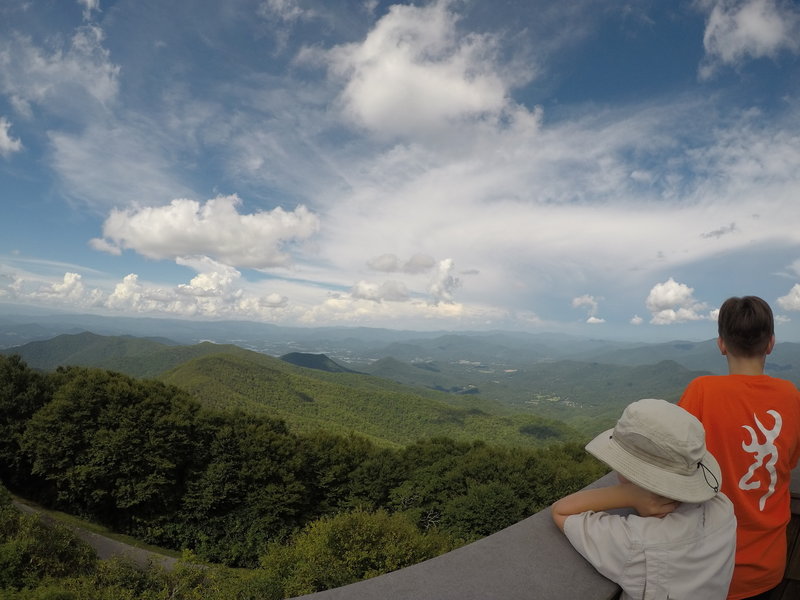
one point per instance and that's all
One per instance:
(681, 542)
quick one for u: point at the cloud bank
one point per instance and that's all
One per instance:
(423, 177)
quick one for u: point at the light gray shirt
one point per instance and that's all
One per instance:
(687, 555)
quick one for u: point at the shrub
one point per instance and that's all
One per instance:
(335, 551)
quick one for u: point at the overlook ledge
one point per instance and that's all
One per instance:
(531, 559)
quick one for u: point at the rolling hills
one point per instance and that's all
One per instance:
(137, 357)
(583, 383)
(226, 377)
(344, 402)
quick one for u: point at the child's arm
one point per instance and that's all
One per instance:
(621, 495)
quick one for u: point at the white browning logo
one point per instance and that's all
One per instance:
(760, 451)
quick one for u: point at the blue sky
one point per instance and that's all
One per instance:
(600, 167)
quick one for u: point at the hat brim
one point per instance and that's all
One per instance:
(696, 487)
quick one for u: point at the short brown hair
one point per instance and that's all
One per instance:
(746, 325)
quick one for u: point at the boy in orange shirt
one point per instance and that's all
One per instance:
(752, 424)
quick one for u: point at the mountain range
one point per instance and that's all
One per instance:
(327, 397)
(581, 382)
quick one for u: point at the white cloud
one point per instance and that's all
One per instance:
(345, 308)
(590, 303)
(70, 288)
(636, 320)
(216, 291)
(213, 278)
(130, 295)
(415, 74)
(791, 301)
(390, 263)
(284, 10)
(74, 80)
(720, 231)
(8, 144)
(419, 263)
(444, 283)
(673, 302)
(185, 228)
(741, 29)
(394, 291)
(642, 176)
(535, 209)
(88, 7)
(794, 268)
(68, 291)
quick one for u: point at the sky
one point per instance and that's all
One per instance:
(606, 168)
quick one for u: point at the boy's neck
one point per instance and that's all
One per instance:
(738, 365)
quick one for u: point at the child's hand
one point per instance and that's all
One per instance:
(648, 504)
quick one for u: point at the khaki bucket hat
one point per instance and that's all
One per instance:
(661, 447)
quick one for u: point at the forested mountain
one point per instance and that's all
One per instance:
(226, 377)
(344, 402)
(139, 357)
(587, 395)
(249, 460)
(146, 459)
(485, 373)
(355, 347)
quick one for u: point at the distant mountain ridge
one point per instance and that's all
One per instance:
(227, 377)
(344, 402)
(138, 357)
(353, 347)
(583, 382)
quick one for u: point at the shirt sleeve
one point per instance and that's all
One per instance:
(608, 543)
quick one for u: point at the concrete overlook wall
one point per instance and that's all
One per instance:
(531, 560)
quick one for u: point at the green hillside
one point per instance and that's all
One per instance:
(307, 398)
(461, 398)
(343, 403)
(428, 374)
(586, 395)
(137, 357)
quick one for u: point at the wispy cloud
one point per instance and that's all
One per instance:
(8, 144)
(591, 305)
(738, 30)
(718, 233)
(73, 79)
(89, 7)
(403, 169)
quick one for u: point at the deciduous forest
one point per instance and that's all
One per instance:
(275, 512)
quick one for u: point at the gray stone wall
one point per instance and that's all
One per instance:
(531, 560)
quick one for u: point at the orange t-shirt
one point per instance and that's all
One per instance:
(752, 427)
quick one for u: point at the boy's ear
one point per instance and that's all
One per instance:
(724, 350)
(771, 344)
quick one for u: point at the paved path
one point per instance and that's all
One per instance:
(106, 547)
